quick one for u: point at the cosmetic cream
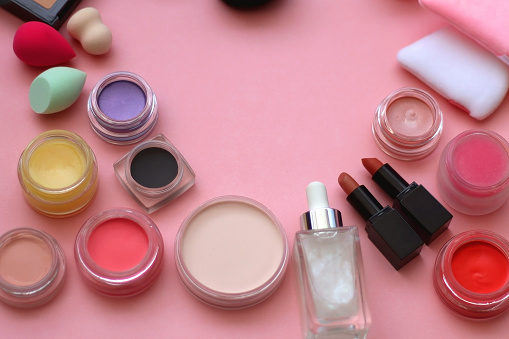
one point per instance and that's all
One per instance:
(32, 267)
(122, 108)
(154, 173)
(471, 274)
(231, 252)
(119, 252)
(329, 272)
(408, 124)
(58, 173)
(473, 173)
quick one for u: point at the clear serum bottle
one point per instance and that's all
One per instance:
(329, 272)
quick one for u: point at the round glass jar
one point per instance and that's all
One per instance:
(32, 267)
(122, 108)
(252, 259)
(473, 173)
(407, 124)
(471, 274)
(119, 252)
(154, 173)
(58, 173)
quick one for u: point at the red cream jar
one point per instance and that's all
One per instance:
(471, 274)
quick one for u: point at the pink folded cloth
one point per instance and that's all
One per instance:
(486, 21)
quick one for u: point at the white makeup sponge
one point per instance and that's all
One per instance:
(459, 69)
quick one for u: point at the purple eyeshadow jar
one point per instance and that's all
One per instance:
(122, 108)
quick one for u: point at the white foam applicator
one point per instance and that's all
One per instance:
(459, 69)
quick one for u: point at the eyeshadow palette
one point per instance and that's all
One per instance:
(51, 12)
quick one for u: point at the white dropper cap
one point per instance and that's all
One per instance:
(316, 193)
(320, 215)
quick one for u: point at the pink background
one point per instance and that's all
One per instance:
(260, 104)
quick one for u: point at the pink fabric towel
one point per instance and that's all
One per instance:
(486, 21)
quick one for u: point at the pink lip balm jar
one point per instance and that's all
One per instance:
(473, 173)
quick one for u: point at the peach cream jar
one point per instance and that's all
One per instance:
(32, 267)
(231, 252)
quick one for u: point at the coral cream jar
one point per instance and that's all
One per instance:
(119, 252)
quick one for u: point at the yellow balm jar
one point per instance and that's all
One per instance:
(58, 173)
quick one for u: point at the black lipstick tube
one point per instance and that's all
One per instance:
(423, 212)
(386, 228)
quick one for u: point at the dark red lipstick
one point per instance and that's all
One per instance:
(423, 212)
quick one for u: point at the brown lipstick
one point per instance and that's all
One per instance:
(386, 228)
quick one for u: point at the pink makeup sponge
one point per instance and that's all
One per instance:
(39, 44)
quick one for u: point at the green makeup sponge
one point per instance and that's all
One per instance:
(56, 89)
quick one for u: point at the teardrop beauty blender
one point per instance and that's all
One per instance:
(56, 89)
(38, 44)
